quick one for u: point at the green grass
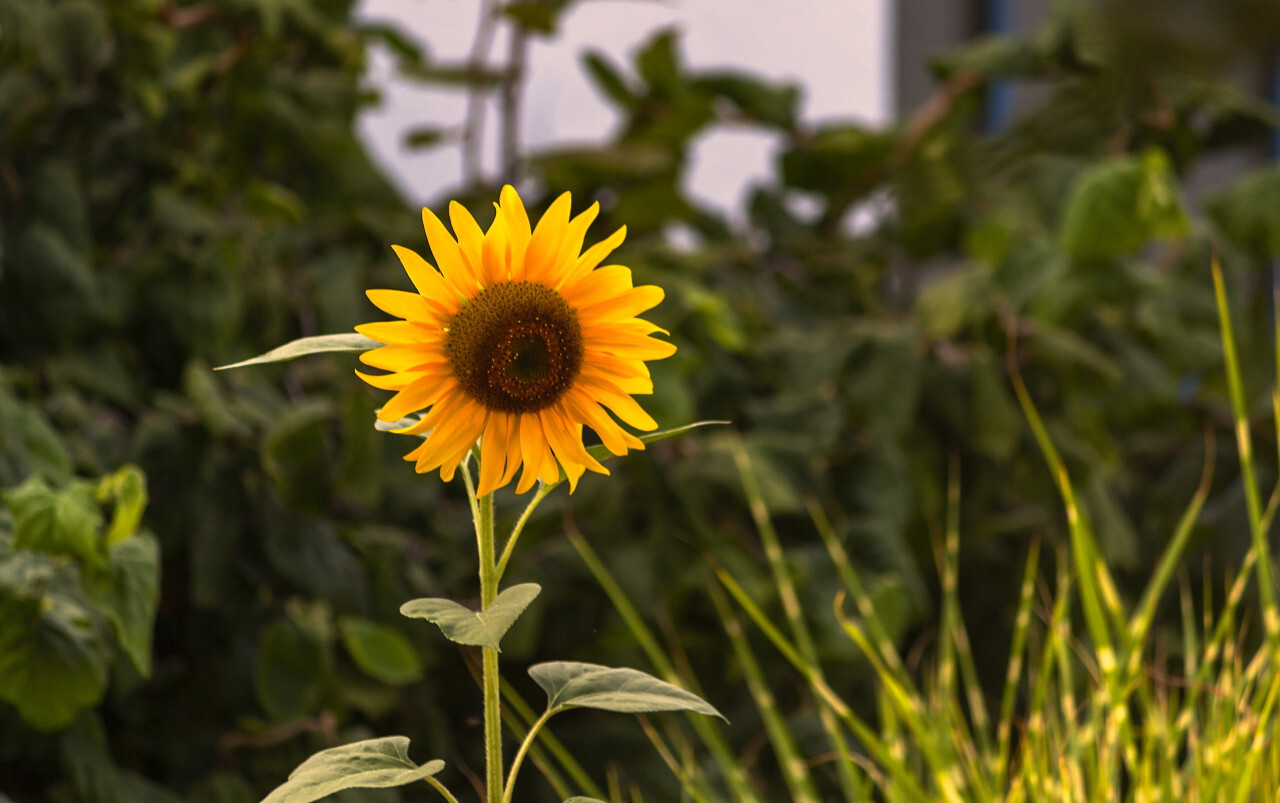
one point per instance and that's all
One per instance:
(1096, 713)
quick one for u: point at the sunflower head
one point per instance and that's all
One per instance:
(518, 340)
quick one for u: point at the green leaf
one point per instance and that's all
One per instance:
(1119, 205)
(599, 452)
(609, 79)
(127, 487)
(297, 458)
(381, 652)
(290, 672)
(57, 522)
(320, 344)
(627, 691)
(128, 593)
(1248, 213)
(582, 799)
(536, 15)
(52, 664)
(372, 763)
(481, 629)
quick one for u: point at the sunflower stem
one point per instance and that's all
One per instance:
(490, 679)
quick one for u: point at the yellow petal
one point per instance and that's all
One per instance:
(609, 282)
(497, 258)
(469, 235)
(513, 450)
(429, 283)
(547, 237)
(531, 450)
(571, 245)
(593, 257)
(401, 332)
(632, 302)
(584, 409)
(632, 347)
(493, 453)
(448, 256)
(422, 393)
(410, 306)
(405, 356)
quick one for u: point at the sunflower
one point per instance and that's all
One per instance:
(518, 341)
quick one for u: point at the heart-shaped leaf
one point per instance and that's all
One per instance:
(628, 691)
(373, 763)
(303, 346)
(481, 629)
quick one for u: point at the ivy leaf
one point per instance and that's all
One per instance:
(127, 591)
(627, 691)
(370, 764)
(1117, 206)
(52, 662)
(62, 522)
(319, 344)
(478, 628)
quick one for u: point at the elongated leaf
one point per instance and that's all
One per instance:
(627, 691)
(303, 346)
(464, 626)
(600, 453)
(372, 763)
(581, 799)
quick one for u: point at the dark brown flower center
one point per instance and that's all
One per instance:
(516, 347)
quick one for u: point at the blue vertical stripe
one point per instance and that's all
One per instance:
(998, 20)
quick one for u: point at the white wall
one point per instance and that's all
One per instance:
(839, 51)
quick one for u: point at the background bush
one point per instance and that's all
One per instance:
(181, 187)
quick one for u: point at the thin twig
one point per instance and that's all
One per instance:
(476, 90)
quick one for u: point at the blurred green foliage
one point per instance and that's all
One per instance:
(181, 187)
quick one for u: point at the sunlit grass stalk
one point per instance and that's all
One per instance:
(795, 770)
(795, 614)
(1013, 675)
(1244, 443)
(688, 784)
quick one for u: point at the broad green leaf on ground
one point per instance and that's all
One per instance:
(627, 691)
(462, 625)
(381, 652)
(58, 522)
(52, 663)
(319, 344)
(1116, 207)
(128, 592)
(372, 763)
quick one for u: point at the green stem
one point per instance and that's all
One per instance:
(483, 511)
(439, 787)
(541, 494)
(524, 748)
